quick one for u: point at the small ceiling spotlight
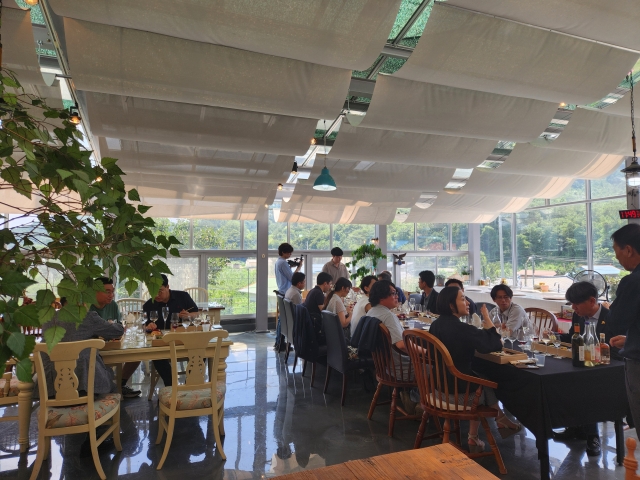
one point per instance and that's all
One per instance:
(74, 115)
(31, 3)
(294, 169)
(314, 141)
(279, 186)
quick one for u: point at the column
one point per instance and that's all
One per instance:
(475, 265)
(262, 271)
(381, 233)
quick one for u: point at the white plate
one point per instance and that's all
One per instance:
(516, 294)
(472, 290)
(557, 297)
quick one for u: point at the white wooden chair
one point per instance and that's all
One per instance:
(196, 397)
(69, 412)
(199, 294)
(8, 393)
(130, 304)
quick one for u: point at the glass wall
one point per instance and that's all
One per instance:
(432, 236)
(350, 237)
(232, 283)
(496, 263)
(310, 236)
(401, 236)
(216, 235)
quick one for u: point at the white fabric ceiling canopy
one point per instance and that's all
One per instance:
(455, 202)
(130, 62)
(391, 146)
(502, 184)
(468, 50)
(175, 123)
(356, 196)
(348, 173)
(614, 22)
(447, 216)
(19, 52)
(314, 213)
(411, 106)
(527, 159)
(164, 208)
(344, 33)
(591, 131)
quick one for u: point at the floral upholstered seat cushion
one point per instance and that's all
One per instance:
(13, 387)
(58, 417)
(192, 399)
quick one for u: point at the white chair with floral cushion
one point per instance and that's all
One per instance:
(69, 411)
(196, 397)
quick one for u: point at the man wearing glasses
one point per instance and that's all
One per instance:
(506, 311)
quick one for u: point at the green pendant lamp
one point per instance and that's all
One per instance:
(325, 181)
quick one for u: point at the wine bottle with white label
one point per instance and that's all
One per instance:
(589, 346)
(577, 347)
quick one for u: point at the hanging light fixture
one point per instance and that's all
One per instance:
(632, 172)
(280, 186)
(294, 169)
(31, 3)
(325, 181)
(74, 115)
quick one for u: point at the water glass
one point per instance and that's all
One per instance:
(412, 304)
(153, 316)
(540, 359)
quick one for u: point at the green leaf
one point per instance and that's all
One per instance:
(44, 298)
(9, 82)
(23, 369)
(27, 316)
(34, 271)
(24, 187)
(83, 175)
(12, 175)
(82, 186)
(133, 195)
(143, 209)
(16, 342)
(175, 252)
(45, 314)
(108, 162)
(64, 174)
(68, 259)
(70, 313)
(52, 336)
(46, 189)
(131, 286)
(13, 283)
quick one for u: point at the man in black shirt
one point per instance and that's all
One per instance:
(429, 300)
(315, 301)
(456, 282)
(178, 302)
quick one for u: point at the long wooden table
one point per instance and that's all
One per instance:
(440, 462)
(114, 358)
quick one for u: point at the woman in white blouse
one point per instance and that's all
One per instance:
(362, 306)
(335, 304)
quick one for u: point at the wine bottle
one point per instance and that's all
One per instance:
(589, 346)
(605, 351)
(577, 347)
(598, 355)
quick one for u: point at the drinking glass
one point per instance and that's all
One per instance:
(546, 333)
(165, 314)
(197, 320)
(557, 342)
(153, 316)
(412, 304)
(175, 321)
(511, 336)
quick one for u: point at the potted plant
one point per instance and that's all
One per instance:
(75, 218)
(465, 274)
(440, 280)
(364, 261)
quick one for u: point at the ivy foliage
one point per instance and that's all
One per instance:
(365, 260)
(74, 217)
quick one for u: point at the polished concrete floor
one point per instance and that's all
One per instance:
(276, 423)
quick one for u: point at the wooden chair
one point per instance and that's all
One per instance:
(337, 355)
(393, 374)
(630, 463)
(542, 318)
(8, 393)
(196, 396)
(199, 294)
(130, 305)
(69, 412)
(433, 365)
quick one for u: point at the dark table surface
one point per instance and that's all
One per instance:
(559, 394)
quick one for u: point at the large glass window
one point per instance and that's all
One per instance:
(401, 236)
(413, 266)
(614, 184)
(449, 266)
(250, 235)
(493, 265)
(432, 236)
(459, 236)
(216, 234)
(350, 237)
(606, 221)
(277, 232)
(310, 236)
(576, 192)
(185, 272)
(178, 227)
(232, 283)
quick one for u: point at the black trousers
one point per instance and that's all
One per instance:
(163, 367)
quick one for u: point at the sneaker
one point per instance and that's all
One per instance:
(128, 392)
(593, 446)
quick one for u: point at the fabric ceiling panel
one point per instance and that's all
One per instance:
(130, 62)
(502, 184)
(445, 216)
(356, 196)
(19, 52)
(411, 106)
(591, 131)
(467, 50)
(481, 203)
(310, 213)
(348, 173)
(344, 33)
(610, 22)
(163, 208)
(389, 146)
(527, 159)
(174, 123)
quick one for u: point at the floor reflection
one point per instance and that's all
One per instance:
(275, 424)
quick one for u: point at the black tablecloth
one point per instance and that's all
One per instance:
(559, 394)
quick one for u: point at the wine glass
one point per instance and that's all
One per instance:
(165, 314)
(153, 317)
(205, 311)
(412, 304)
(197, 320)
(511, 336)
(557, 342)
(175, 321)
(546, 338)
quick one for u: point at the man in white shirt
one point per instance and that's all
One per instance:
(508, 312)
(335, 267)
(294, 294)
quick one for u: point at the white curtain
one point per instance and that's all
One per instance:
(501, 184)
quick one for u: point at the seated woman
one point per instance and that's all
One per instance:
(362, 306)
(462, 340)
(335, 304)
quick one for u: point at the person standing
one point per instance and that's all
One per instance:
(335, 267)
(429, 299)
(283, 270)
(294, 294)
(108, 309)
(625, 311)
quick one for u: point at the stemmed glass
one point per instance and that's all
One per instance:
(557, 342)
(412, 304)
(205, 311)
(153, 316)
(546, 338)
(512, 336)
(175, 321)
(165, 315)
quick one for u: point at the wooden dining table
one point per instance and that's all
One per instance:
(130, 352)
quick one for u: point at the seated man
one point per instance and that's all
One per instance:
(506, 311)
(315, 303)
(426, 281)
(108, 310)
(583, 297)
(178, 302)
(294, 293)
(386, 275)
(92, 326)
(473, 308)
